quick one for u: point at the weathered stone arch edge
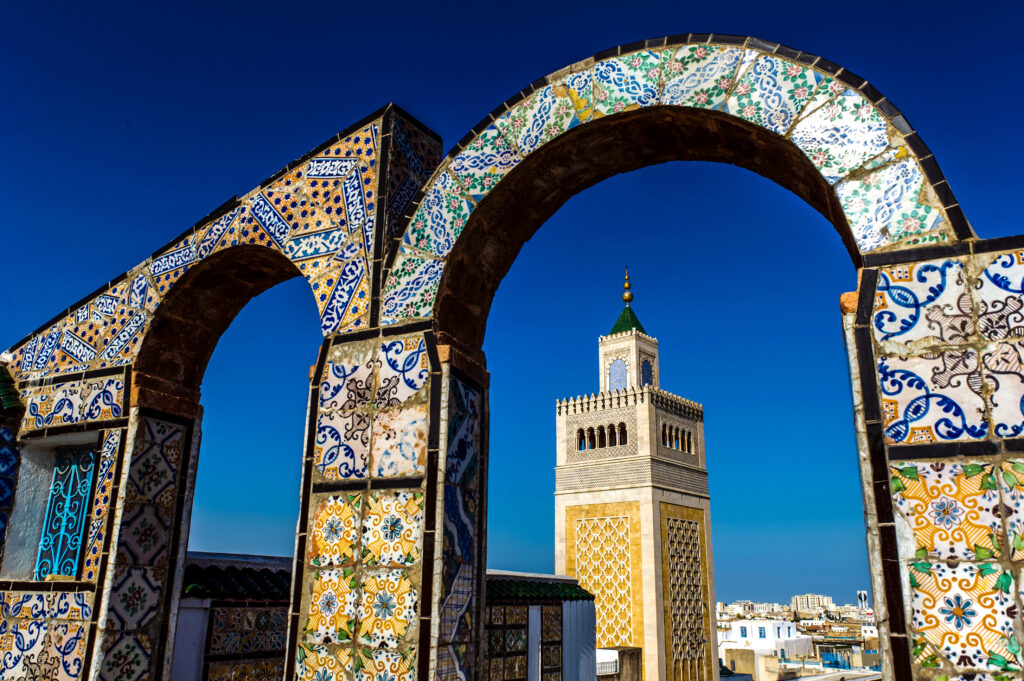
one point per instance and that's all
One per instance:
(923, 155)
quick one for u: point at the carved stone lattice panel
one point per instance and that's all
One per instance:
(685, 589)
(603, 568)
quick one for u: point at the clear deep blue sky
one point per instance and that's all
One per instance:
(123, 125)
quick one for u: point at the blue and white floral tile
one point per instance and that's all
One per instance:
(885, 206)
(1003, 366)
(348, 380)
(399, 445)
(772, 93)
(484, 162)
(392, 529)
(841, 135)
(923, 300)
(440, 217)
(965, 611)
(411, 286)
(134, 597)
(953, 509)
(627, 82)
(143, 537)
(387, 608)
(699, 75)
(126, 657)
(934, 398)
(578, 86)
(341, 447)
(332, 608)
(404, 369)
(999, 290)
(538, 118)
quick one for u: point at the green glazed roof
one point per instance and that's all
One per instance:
(8, 391)
(503, 590)
(627, 321)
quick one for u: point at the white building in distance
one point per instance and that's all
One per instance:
(765, 637)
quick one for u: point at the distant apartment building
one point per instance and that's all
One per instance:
(812, 602)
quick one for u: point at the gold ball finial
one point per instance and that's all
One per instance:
(627, 297)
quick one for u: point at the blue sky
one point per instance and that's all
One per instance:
(124, 124)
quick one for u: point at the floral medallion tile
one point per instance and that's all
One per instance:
(387, 608)
(772, 93)
(483, 162)
(400, 442)
(439, 219)
(1000, 295)
(538, 119)
(886, 205)
(964, 611)
(932, 398)
(126, 659)
(134, 598)
(392, 528)
(348, 383)
(404, 370)
(317, 663)
(699, 75)
(1003, 365)
(386, 665)
(332, 606)
(923, 300)
(335, 534)
(841, 135)
(626, 82)
(342, 445)
(579, 88)
(143, 538)
(1011, 480)
(953, 509)
(411, 287)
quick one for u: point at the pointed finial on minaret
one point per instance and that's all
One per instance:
(627, 297)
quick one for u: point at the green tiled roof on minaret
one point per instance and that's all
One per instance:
(627, 321)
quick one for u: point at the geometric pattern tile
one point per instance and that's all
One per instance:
(134, 597)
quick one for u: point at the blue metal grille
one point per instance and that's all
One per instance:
(9, 460)
(60, 545)
(617, 375)
(646, 373)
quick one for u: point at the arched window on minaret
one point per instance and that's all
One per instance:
(581, 441)
(646, 373)
(617, 375)
(622, 433)
(612, 440)
(601, 441)
(675, 439)
(664, 435)
(591, 440)
(689, 442)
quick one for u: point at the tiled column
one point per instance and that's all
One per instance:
(388, 569)
(939, 348)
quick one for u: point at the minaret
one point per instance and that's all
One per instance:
(632, 519)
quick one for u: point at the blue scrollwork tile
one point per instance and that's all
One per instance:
(411, 287)
(934, 398)
(923, 300)
(342, 445)
(483, 162)
(404, 370)
(1003, 365)
(460, 508)
(627, 82)
(1000, 294)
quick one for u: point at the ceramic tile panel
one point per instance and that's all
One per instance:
(126, 657)
(1010, 478)
(65, 647)
(411, 286)
(332, 606)
(462, 457)
(386, 665)
(338, 292)
(23, 644)
(105, 468)
(999, 290)
(773, 92)
(923, 300)
(341, 448)
(453, 662)
(70, 605)
(165, 269)
(24, 604)
(336, 530)
(1003, 365)
(953, 509)
(963, 611)
(484, 162)
(404, 370)
(440, 217)
(933, 398)
(457, 601)
(318, 663)
(387, 608)
(143, 535)
(10, 460)
(73, 402)
(400, 442)
(551, 624)
(627, 82)
(348, 382)
(842, 135)
(538, 119)
(460, 507)
(134, 597)
(392, 529)
(578, 86)
(885, 206)
(699, 75)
